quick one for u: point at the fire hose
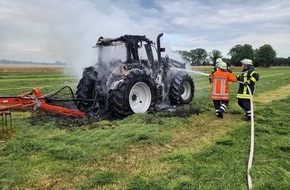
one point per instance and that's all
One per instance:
(251, 154)
(30, 101)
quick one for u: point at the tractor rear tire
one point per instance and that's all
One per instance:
(86, 90)
(181, 89)
(137, 94)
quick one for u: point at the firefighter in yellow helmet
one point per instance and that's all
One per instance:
(249, 77)
(220, 88)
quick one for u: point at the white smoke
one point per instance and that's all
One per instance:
(173, 54)
(61, 30)
(66, 30)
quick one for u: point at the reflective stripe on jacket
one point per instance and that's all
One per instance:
(250, 79)
(220, 84)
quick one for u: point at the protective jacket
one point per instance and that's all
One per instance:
(220, 84)
(214, 69)
(249, 78)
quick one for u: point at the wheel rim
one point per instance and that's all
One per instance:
(140, 97)
(186, 90)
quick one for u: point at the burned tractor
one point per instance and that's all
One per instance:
(127, 79)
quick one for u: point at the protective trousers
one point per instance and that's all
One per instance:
(220, 106)
(245, 104)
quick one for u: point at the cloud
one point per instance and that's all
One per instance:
(66, 30)
(58, 28)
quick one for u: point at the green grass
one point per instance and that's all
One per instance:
(17, 83)
(186, 149)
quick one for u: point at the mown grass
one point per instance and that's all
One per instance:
(14, 83)
(186, 149)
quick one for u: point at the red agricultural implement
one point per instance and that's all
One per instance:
(36, 100)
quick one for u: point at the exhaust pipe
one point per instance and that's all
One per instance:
(159, 50)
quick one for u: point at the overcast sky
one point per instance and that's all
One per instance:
(66, 30)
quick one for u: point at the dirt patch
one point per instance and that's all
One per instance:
(40, 118)
(183, 113)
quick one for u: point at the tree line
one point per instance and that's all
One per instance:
(264, 56)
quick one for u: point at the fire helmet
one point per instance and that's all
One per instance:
(247, 62)
(223, 65)
(218, 61)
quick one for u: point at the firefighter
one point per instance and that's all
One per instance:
(215, 68)
(220, 88)
(249, 77)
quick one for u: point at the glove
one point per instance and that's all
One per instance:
(238, 78)
(209, 78)
(247, 83)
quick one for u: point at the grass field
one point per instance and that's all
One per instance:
(186, 149)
